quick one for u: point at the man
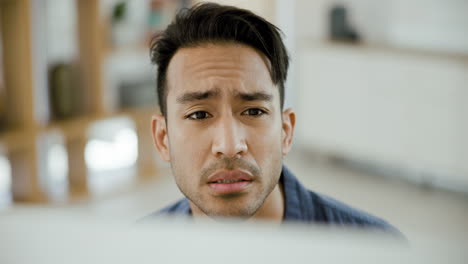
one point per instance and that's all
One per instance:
(221, 73)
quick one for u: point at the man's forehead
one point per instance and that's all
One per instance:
(224, 68)
(239, 53)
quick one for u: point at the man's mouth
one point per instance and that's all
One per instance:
(228, 182)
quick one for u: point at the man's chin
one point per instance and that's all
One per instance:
(236, 206)
(240, 214)
(229, 212)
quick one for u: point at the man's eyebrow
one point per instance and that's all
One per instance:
(197, 96)
(256, 96)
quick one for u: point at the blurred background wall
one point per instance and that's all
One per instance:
(399, 97)
(379, 87)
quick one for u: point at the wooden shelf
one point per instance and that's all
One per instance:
(306, 44)
(71, 127)
(15, 140)
(20, 142)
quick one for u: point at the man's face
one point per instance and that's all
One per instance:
(225, 136)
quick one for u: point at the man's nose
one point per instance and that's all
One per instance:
(229, 138)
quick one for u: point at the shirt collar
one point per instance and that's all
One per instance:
(297, 202)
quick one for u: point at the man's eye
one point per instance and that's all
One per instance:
(199, 115)
(254, 112)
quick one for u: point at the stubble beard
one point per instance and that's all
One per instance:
(239, 206)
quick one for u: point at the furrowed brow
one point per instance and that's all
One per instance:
(257, 96)
(197, 96)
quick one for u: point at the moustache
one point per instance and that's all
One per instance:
(230, 164)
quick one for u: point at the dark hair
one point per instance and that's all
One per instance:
(214, 23)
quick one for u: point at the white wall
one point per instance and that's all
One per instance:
(401, 98)
(404, 109)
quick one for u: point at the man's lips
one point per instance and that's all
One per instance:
(232, 181)
(231, 175)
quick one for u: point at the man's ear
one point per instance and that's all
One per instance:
(160, 136)
(289, 122)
